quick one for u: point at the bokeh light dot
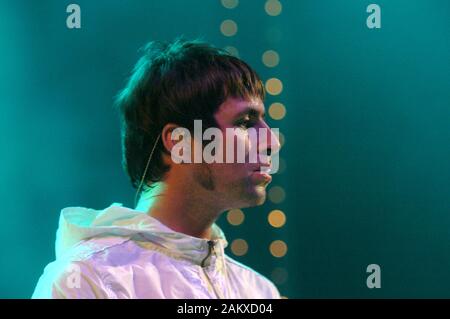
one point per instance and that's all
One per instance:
(279, 275)
(270, 58)
(274, 86)
(235, 217)
(276, 194)
(230, 4)
(228, 28)
(278, 248)
(239, 247)
(277, 111)
(273, 7)
(232, 50)
(277, 218)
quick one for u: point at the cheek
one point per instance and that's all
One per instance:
(229, 173)
(244, 140)
(238, 144)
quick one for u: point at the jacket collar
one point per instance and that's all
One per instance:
(198, 250)
(78, 223)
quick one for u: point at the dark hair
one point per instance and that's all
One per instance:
(176, 82)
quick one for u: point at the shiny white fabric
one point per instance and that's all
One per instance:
(124, 253)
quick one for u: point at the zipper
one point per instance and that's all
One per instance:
(210, 251)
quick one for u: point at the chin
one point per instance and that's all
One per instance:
(257, 197)
(261, 200)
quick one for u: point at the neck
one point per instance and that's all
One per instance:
(180, 208)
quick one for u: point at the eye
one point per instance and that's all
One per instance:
(245, 123)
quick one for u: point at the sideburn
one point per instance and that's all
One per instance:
(204, 176)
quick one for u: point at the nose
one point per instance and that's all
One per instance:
(271, 145)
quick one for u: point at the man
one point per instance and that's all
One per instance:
(169, 245)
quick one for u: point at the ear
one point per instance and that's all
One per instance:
(171, 135)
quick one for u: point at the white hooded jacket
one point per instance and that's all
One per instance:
(124, 253)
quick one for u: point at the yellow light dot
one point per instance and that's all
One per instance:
(228, 28)
(273, 7)
(239, 247)
(281, 139)
(232, 50)
(279, 275)
(278, 248)
(274, 86)
(284, 297)
(277, 111)
(276, 194)
(270, 58)
(277, 218)
(235, 217)
(230, 4)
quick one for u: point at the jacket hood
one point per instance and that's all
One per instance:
(79, 223)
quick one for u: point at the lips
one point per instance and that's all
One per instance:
(261, 175)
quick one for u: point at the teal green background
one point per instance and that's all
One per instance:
(367, 131)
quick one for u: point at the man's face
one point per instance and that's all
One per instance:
(240, 184)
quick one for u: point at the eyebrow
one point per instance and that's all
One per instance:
(250, 111)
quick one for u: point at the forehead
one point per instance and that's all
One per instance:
(233, 107)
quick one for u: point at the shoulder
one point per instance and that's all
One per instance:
(91, 248)
(80, 271)
(253, 278)
(63, 279)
